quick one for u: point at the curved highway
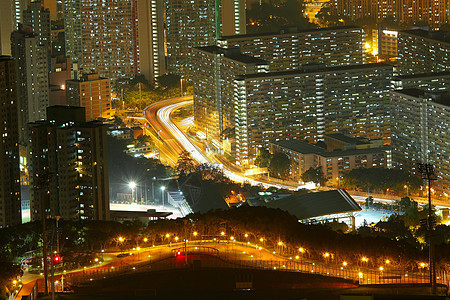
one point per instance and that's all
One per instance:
(159, 116)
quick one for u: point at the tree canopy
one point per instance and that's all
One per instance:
(381, 179)
(315, 175)
(279, 165)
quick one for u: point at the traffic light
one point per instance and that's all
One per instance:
(56, 259)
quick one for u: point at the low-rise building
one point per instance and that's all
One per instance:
(334, 163)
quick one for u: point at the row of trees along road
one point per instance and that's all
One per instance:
(278, 164)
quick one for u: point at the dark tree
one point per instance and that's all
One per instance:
(315, 175)
(279, 165)
(185, 163)
(169, 81)
(263, 158)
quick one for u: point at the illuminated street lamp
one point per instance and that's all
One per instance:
(387, 261)
(132, 185)
(301, 250)
(344, 263)
(145, 240)
(365, 259)
(163, 188)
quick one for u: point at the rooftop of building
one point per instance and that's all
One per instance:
(423, 75)
(88, 77)
(441, 36)
(319, 204)
(307, 148)
(442, 98)
(315, 69)
(232, 53)
(287, 31)
(347, 139)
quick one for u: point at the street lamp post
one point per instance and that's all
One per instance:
(163, 188)
(181, 86)
(427, 171)
(132, 185)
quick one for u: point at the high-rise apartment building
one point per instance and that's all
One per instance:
(421, 51)
(69, 171)
(116, 39)
(199, 23)
(420, 134)
(72, 31)
(152, 59)
(309, 103)
(214, 70)
(234, 93)
(38, 18)
(109, 43)
(189, 24)
(10, 204)
(91, 92)
(32, 78)
(434, 12)
(290, 49)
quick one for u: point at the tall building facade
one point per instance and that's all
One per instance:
(214, 70)
(72, 31)
(433, 12)
(32, 78)
(38, 18)
(71, 155)
(10, 204)
(152, 58)
(421, 133)
(109, 43)
(189, 24)
(421, 51)
(91, 92)
(236, 93)
(290, 49)
(116, 39)
(309, 103)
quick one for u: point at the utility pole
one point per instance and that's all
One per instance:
(427, 171)
(41, 186)
(44, 245)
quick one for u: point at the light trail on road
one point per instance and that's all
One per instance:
(164, 115)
